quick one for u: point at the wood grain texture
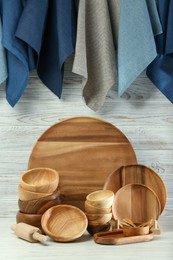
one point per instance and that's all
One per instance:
(137, 174)
(118, 238)
(64, 223)
(136, 202)
(84, 150)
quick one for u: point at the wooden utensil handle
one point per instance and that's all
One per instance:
(39, 237)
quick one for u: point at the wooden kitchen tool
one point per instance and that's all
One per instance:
(28, 232)
(39, 206)
(117, 238)
(136, 202)
(95, 210)
(26, 195)
(42, 180)
(84, 150)
(30, 219)
(101, 198)
(64, 223)
(138, 174)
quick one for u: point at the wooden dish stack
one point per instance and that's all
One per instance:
(98, 209)
(37, 192)
(140, 194)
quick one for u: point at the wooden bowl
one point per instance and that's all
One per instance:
(136, 231)
(136, 202)
(92, 229)
(64, 223)
(98, 219)
(26, 195)
(39, 206)
(31, 219)
(101, 198)
(89, 208)
(42, 180)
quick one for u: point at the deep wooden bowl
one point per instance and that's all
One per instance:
(98, 219)
(92, 229)
(26, 195)
(101, 198)
(136, 231)
(42, 180)
(39, 206)
(89, 208)
(64, 223)
(31, 219)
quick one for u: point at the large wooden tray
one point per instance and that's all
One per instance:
(84, 150)
(139, 174)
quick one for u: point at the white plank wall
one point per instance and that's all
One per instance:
(143, 114)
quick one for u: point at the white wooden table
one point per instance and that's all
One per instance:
(143, 114)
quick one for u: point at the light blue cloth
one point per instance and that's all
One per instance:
(136, 45)
(3, 64)
(19, 55)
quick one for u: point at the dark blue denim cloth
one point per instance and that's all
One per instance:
(3, 63)
(19, 55)
(58, 44)
(160, 71)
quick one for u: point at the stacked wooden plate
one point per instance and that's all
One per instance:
(140, 194)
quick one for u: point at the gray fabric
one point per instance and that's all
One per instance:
(95, 54)
(3, 64)
(136, 45)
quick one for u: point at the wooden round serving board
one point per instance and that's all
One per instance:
(136, 202)
(84, 151)
(137, 174)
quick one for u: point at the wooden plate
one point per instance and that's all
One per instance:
(64, 223)
(84, 150)
(137, 174)
(136, 202)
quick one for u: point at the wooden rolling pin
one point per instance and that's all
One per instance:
(28, 232)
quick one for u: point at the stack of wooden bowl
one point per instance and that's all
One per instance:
(37, 192)
(98, 209)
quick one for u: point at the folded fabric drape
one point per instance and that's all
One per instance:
(19, 56)
(3, 64)
(58, 44)
(138, 23)
(95, 54)
(160, 71)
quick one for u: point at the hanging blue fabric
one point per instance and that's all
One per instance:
(58, 44)
(138, 24)
(160, 71)
(52, 33)
(3, 63)
(19, 57)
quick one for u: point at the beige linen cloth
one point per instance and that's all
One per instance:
(95, 55)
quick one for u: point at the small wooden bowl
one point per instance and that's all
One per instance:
(92, 229)
(31, 219)
(39, 206)
(98, 219)
(101, 198)
(64, 223)
(26, 195)
(42, 180)
(89, 208)
(135, 231)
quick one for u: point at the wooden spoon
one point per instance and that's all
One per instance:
(129, 222)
